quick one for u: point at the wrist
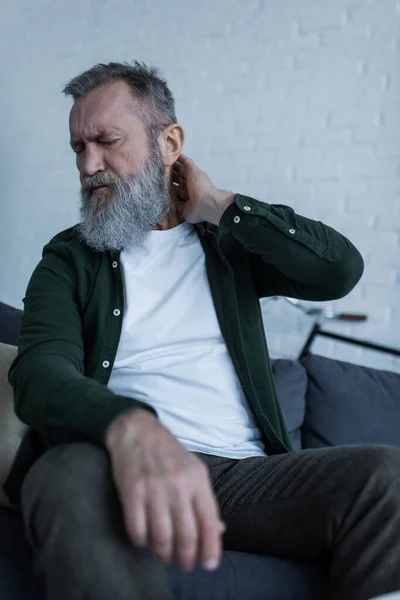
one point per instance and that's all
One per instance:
(220, 202)
(126, 423)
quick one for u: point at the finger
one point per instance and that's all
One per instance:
(186, 534)
(180, 206)
(184, 160)
(179, 176)
(160, 525)
(179, 167)
(211, 530)
(135, 516)
(180, 188)
(182, 193)
(184, 164)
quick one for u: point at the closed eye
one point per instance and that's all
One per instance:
(80, 149)
(107, 142)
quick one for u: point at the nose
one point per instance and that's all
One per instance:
(90, 161)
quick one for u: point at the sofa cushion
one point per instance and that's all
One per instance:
(350, 404)
(9, 324)
(291, 386)
(12, 430)
(244, 576)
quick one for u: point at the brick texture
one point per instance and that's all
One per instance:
(292, 102)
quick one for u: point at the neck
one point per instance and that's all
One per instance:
(171, 220)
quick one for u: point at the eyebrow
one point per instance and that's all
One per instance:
(98, 135)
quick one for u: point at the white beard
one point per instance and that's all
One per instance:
(124, 218)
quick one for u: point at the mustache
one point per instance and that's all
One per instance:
(98, 180)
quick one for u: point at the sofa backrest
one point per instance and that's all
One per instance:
(349, 404)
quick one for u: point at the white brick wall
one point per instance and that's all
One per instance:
(293, 102)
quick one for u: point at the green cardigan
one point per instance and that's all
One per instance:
(69, 332)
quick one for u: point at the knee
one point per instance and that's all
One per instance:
(384, 460)
(66, 472)
(379, 465)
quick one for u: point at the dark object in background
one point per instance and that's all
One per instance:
(9, 323)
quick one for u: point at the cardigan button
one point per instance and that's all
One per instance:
(236, 219)
(116, 312)
(115, 264)
(292, 231)
(246, 208)
(105, 364)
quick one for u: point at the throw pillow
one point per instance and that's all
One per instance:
(12, 430)
(350, 404)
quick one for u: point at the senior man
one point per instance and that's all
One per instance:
(143, 373)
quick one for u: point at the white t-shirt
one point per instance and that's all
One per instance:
(172, 355)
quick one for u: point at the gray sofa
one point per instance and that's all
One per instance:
(325, 402)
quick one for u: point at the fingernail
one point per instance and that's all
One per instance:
(210, 564)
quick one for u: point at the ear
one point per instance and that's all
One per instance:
(171, 141)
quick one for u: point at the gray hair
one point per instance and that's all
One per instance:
(156, 100)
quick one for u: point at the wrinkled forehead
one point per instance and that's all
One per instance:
(110, 105)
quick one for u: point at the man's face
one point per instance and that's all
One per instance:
(123, 185)
(106, 134)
